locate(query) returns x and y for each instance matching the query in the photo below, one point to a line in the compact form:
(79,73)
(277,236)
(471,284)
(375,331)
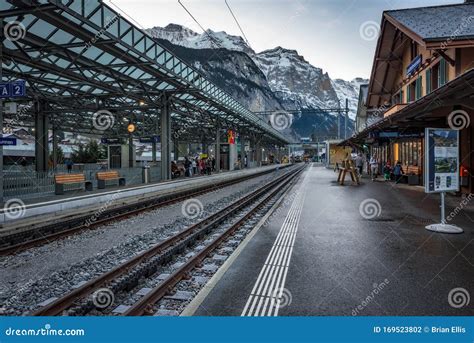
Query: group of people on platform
(194,166)
(374,163)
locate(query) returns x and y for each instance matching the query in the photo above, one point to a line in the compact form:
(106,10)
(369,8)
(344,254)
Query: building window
(418,87)
(435,77)
(409,152)
(398,98)
(414,50)
(411,91)
(428,81)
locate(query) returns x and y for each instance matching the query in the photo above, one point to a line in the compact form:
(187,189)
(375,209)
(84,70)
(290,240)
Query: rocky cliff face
(271,80)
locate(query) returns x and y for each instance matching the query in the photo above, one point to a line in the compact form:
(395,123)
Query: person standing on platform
(398,172)
(374,166)
(202,167)
(387,170)
(69,165)
(187,167)
(209,166)
(359,162)
(194,165)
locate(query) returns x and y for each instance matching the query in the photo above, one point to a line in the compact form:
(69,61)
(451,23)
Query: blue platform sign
(14,89)
(414,65)
(4,90)
(17,89)
(150,139)
(111,140)
(7,141)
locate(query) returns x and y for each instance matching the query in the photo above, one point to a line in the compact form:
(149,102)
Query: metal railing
(25,183)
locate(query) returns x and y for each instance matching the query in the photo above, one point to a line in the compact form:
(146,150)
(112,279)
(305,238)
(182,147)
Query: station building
(422,76)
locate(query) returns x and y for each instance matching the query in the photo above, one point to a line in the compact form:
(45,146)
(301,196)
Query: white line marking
(266,295)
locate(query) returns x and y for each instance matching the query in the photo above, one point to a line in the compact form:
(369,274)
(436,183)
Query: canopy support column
(242,151)
(165,138)
(218,147)
(55,148)
(41,137)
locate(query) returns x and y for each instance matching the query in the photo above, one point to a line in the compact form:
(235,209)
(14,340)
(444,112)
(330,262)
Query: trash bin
(146,174)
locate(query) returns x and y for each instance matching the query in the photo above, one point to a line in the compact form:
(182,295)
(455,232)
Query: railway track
(126,277)
(19,241)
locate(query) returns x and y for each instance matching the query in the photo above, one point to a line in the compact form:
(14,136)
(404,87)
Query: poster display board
(442,160)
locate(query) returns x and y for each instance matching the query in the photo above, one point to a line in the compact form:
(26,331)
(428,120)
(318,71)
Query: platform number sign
(4,90)
(13,89)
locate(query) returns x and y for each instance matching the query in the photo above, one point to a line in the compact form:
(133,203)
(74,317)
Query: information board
(441,160)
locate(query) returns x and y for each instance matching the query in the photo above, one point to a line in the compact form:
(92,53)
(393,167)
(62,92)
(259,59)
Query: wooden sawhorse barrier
(348,167)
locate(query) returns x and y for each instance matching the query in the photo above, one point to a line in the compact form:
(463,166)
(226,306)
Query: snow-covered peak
(349,90)
(183,36)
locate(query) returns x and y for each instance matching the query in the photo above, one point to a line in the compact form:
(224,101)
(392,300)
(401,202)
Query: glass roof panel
(42,28)
(61,37)
(71,18)
(105,59)
(5,6)
(92,53)
(97,18)
(89,6)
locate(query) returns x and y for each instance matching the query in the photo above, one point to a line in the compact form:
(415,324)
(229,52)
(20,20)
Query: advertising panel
(442,160)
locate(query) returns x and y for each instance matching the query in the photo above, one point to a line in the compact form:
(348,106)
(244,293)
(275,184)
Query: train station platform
(72,203)
(347,250)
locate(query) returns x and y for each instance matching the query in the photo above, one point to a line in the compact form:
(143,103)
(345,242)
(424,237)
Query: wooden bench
(103,177)
(69,179)
(412,174)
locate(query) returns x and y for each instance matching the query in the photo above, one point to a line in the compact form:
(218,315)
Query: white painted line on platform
(265,298)
(204,292)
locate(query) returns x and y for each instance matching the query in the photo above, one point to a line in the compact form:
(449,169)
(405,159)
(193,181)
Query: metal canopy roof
(81,56)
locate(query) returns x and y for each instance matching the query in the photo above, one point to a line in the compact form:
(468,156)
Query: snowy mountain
(267,81)
(180,35)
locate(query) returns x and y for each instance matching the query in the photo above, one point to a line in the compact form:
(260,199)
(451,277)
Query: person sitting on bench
(175,170)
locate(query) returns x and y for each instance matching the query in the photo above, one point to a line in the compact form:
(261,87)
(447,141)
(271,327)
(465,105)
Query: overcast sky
(335,35)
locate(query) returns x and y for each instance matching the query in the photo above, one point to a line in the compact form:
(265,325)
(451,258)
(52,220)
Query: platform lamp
(131,129)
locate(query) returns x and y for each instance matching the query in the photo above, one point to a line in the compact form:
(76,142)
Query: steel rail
(59,305)
(145,304)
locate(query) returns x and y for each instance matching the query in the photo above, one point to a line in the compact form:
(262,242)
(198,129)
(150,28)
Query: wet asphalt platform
(349,250)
